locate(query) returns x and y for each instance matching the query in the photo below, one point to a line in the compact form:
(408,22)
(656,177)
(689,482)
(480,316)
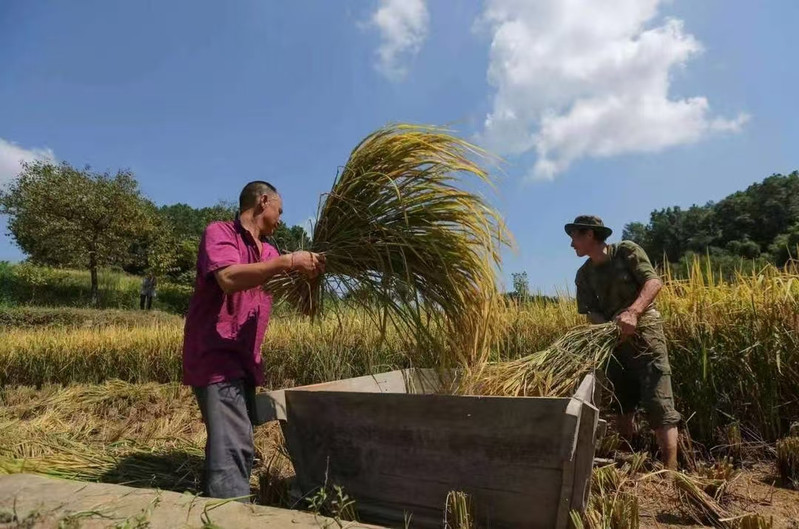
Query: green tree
(153,248)
(184,225)
(187,225)
(741,231)
(290,239)
(62,216)
(638,233)
(521,286)
(786,246)
(189,222)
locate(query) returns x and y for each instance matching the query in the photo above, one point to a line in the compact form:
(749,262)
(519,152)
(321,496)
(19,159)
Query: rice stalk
(697,503)
(731,441)
(606,479)
(722,469)
(751,521)
(137,466)
(617,511)
(397,230)
(458,513)
(609,507)
(637,462)
(788,460)
(552,372)
(608,445)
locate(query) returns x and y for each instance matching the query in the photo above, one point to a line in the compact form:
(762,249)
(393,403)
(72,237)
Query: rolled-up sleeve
(638,262)
(218,248)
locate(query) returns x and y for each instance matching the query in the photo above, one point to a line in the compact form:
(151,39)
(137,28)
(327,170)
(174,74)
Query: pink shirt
(223,332)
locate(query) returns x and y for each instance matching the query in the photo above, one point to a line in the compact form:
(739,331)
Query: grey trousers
(227,409)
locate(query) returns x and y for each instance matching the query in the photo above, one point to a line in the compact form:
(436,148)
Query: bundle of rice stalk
(398,231)
(788,460)
(698,504)
(617,510)
(605,480)
(553,372)
(731,441)
(716,477)
(751,521)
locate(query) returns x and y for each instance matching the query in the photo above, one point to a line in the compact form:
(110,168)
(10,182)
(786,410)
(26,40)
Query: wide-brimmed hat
(588,222)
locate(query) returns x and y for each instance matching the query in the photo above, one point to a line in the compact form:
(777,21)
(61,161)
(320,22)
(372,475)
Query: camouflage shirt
(612,286)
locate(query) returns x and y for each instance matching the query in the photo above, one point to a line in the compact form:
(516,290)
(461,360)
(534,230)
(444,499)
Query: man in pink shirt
(225,326)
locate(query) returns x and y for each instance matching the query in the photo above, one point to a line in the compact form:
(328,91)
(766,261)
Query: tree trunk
(95,299)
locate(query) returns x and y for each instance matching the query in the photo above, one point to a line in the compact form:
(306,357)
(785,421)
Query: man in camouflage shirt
(618,283)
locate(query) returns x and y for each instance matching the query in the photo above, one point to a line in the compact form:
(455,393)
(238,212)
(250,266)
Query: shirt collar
(246,235)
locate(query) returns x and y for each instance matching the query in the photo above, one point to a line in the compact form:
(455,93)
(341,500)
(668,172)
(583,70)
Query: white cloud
(403,26)
(584,78)
(12,156)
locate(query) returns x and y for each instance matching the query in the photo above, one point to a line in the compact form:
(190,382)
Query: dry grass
(137,434)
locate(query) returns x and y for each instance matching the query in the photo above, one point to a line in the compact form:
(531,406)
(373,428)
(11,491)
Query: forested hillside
(747,228)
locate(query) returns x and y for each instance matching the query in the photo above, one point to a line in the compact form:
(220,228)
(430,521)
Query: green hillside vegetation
(744,231)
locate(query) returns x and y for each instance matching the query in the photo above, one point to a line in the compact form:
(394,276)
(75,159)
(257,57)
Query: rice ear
(398,225)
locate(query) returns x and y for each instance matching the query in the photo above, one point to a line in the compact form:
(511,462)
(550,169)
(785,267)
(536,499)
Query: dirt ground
(753,490)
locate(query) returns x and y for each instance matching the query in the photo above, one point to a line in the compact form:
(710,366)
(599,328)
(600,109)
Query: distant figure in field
(618,283)
(225,326)
(147,291)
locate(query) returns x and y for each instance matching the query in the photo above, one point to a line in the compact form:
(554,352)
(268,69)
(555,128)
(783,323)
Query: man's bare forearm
(647,295)
(238,277)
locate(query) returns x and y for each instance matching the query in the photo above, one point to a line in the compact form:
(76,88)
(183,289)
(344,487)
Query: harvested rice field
(151,435)
(95,396)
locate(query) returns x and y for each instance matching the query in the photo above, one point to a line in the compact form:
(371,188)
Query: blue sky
(613,108)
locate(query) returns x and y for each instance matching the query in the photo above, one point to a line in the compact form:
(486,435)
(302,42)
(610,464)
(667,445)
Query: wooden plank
(427,381)
(492,508)
(271,406)
(584,456)
(390,382)
(586,392)
(586,442)
(569,441)
(408,450)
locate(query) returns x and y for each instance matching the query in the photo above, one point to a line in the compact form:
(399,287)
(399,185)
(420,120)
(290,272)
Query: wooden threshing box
(398,445)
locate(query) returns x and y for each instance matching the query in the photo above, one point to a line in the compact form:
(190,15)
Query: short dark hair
(599,235)
(252,191)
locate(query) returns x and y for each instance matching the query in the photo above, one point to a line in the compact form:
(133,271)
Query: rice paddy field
(95,395)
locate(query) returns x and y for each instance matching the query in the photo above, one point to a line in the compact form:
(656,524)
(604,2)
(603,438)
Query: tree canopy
(759,224)
(62,216)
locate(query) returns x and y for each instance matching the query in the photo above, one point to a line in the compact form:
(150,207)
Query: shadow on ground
(176,471)
(671,518)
